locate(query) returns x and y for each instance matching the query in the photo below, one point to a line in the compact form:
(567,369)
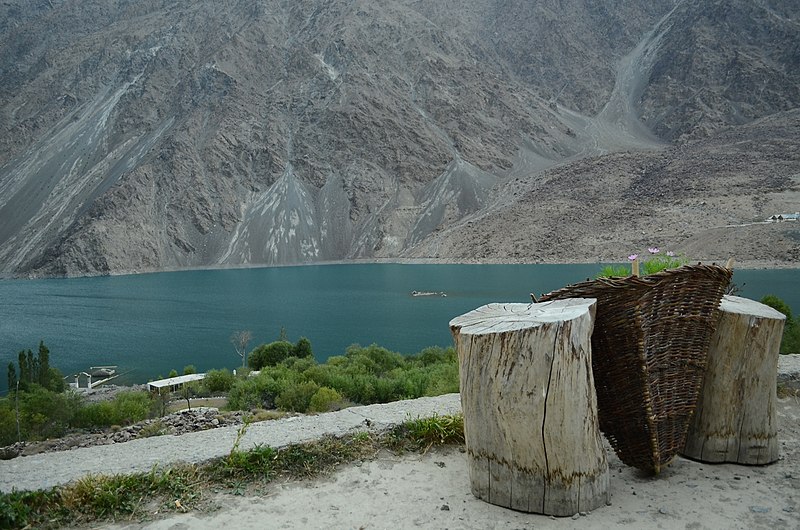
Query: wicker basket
(649,350)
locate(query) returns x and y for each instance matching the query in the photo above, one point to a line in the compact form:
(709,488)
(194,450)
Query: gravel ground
(51,469)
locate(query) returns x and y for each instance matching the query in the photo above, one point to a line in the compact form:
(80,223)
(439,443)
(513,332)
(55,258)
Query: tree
(44,365)
(12,376)
(189,369)
(24,370)
(270,354)
(240,340)
(303,348)
(188,391)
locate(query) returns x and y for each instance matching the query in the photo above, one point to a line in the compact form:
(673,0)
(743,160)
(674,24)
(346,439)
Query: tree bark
(530,410)
(735,416)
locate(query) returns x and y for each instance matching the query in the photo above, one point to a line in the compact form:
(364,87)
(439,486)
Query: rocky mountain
(154,134)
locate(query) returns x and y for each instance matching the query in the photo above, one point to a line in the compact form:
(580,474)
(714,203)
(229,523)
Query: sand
(432,491)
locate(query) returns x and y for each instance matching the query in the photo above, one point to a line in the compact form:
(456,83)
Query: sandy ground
(433,491)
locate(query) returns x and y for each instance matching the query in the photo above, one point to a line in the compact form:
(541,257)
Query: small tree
(270,354)
(189,369)
(303,348)
(44,365)
(188,391)
(12,376)
(240,340)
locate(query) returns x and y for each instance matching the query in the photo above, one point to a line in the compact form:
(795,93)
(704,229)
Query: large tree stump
(530,410)
(735,416)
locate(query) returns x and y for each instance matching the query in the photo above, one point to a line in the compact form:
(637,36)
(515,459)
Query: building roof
(172,381)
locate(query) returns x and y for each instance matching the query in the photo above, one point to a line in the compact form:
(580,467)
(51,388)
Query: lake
(151,323)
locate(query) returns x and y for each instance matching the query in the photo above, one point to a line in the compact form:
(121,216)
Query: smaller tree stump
(735,416)
(530,410)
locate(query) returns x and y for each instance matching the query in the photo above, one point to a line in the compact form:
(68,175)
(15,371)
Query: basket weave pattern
(649,349)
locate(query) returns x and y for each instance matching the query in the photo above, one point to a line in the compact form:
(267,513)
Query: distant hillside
(138,136)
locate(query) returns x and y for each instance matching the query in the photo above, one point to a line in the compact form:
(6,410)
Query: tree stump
(735,416)
(530,410)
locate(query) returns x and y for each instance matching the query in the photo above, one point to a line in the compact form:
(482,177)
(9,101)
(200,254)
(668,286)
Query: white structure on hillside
(174,383)
(777,218)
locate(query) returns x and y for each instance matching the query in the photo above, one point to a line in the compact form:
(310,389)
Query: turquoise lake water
(151,323)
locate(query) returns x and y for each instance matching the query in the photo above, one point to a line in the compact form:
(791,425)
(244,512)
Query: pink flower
(633,257)
(653,250)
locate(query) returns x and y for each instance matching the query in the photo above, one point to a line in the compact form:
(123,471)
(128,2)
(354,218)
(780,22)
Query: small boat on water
(103,371)
(428,293)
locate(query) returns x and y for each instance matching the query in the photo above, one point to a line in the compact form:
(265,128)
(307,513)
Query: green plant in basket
(653,262)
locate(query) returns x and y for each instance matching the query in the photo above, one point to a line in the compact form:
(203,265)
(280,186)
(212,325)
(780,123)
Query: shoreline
(742,265)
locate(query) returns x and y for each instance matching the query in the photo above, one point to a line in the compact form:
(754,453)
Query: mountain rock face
(156,134)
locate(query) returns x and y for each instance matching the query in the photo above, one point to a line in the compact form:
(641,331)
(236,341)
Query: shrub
(131,407)
(189,369)
(434,355)
(303,348)
(779,305)
(45,414)
(297,398)
(8,423)
(363,375)
(299,365)
(255,392)
(219,380)
(126,408)
(269,354)
(172,373)
(790,342)
(443,379)
(374,359)
(324,400)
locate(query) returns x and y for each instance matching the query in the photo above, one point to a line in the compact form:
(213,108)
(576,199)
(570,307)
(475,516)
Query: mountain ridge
(151,135)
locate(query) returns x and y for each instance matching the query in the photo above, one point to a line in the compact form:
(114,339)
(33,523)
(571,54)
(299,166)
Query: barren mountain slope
(724,63)
(607,207)
(155,134)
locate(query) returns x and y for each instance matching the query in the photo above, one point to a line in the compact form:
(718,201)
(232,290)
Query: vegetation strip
(181,488)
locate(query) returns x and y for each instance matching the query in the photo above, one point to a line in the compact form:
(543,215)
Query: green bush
(779,305)
(373,359)
(256,392)
(8,422)
(790,342)
(95,414)
(45,414)
(434,355)
(363,375)
(189,369)
(270,354)
(442,379)
(219,380)
(324,400)
(299,365)
(126,408)
(297,398)
(303,348)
